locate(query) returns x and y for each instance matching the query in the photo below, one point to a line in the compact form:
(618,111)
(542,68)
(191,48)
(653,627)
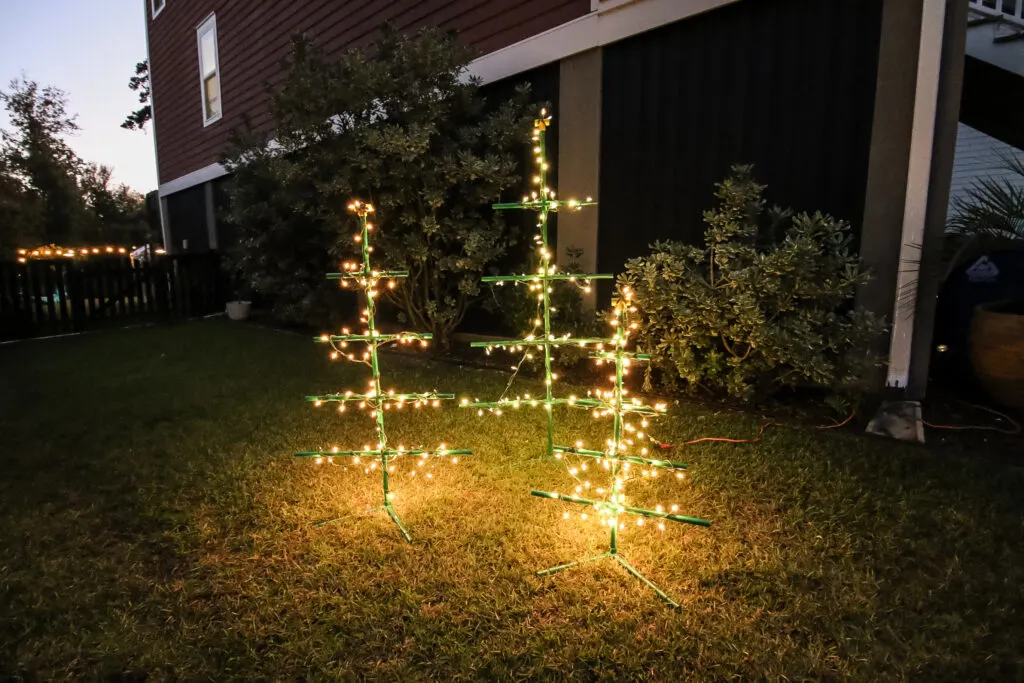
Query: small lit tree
(625,454)
(376,399)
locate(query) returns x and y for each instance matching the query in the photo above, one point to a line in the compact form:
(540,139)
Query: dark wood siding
(186,218)
(787,85)
(253,37)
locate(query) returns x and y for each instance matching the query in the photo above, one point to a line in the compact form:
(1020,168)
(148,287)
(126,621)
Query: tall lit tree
(543,201)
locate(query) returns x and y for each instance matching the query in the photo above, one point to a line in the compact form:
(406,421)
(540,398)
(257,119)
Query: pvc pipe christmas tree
(624,454)
(543,201)
(375,399)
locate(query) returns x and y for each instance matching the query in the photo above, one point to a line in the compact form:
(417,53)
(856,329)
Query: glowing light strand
(615,459)
(543,201)
(375,399)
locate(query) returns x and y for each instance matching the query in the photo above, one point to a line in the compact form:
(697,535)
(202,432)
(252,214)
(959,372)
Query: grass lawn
(154,525)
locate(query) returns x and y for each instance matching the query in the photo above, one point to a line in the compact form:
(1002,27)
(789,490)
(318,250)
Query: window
(157,6)
(209,70)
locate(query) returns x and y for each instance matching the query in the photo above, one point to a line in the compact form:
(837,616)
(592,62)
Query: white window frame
(209,24)
(157,6)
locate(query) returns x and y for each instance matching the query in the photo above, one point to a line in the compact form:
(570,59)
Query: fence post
(77,297)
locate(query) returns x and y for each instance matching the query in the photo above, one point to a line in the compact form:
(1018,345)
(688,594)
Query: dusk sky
(88,49)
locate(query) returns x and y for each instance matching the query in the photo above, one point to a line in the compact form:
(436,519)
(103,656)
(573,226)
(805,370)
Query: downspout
(929,61)
(152,124)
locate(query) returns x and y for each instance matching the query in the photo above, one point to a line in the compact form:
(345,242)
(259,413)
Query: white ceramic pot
(239,310)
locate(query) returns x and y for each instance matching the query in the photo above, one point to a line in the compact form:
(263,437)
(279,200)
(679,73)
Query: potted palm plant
(990,217)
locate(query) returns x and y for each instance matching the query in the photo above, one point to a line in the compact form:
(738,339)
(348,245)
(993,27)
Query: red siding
(253,36)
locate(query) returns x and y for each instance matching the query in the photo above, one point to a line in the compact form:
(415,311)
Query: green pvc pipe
(654,514)
(570,565)
(390,452)
(388,398)
(635,459)
(380,274)
(552,204)
(323,339)
(571,341)
(650,584)
(547,278)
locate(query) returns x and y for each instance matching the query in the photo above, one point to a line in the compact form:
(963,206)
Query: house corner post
(943,150)
(211,215)
(889,161)
(579,152)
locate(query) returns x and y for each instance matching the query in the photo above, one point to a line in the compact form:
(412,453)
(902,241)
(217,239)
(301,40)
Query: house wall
(786,85)
(186,211)
(978,156)
(254,36)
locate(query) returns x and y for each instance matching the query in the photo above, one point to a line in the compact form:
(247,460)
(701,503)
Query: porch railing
(1011,10)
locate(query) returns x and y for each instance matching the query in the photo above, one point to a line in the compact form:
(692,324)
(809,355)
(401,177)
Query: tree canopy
(398,124)
(47,193)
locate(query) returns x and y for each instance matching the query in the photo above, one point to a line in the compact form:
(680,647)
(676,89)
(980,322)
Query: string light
(376,399)
(52,251)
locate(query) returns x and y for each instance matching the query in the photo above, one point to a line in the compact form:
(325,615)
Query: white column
(918,179)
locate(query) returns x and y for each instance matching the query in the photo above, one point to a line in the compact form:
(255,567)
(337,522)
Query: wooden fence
(40,298)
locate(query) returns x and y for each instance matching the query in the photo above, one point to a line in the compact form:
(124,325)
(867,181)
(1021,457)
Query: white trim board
(609,23)
(922,140)
(202,175)
(152,129)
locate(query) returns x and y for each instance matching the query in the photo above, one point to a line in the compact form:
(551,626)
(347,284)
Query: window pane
(211,89)
(206,45)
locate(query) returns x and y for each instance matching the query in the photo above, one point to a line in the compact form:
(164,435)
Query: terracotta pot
(997,351)
(239,310)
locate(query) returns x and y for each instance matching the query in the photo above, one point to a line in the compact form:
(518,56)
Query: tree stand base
(626,565)
(386,507)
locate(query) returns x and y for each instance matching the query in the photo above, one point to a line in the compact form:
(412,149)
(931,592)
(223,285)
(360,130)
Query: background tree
(20,213)
(139,83)
(116,213)
(400,124)
(37,156)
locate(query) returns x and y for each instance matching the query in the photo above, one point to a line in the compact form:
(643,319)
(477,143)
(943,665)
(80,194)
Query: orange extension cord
(1002,430)
(1013,431)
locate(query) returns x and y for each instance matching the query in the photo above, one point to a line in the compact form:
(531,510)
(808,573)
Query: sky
(88,49)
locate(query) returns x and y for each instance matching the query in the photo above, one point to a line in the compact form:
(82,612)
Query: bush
(764,303)
(398,125)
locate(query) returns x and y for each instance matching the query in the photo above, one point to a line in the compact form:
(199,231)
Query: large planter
(997,351)
(239,310)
